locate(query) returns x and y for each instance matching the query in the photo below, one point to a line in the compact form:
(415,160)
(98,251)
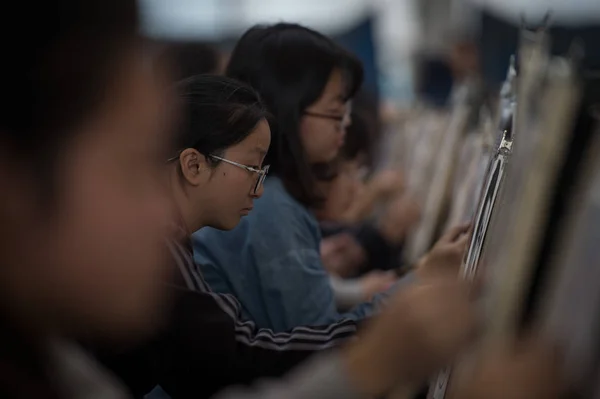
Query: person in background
(349,203)
(360,256)
(271,261)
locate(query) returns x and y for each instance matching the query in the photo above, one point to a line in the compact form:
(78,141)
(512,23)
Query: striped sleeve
(246,332)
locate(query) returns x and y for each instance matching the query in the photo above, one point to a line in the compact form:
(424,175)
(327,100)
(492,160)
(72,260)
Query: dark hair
(218,112)
(290,65)
(189,59)
(54,76)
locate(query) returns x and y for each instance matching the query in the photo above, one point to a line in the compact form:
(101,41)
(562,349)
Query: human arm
(423,328)
(352,292)
(295,288)
(202,349)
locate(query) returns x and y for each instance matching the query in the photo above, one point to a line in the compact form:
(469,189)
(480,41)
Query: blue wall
(361,41)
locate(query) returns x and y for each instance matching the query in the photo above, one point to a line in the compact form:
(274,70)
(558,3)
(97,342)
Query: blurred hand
(342,255)
(445,258)
(421,330)
(387,183)
(377,282)
(529,370)
(400,217)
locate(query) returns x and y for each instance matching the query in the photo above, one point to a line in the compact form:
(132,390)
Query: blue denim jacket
(271,263)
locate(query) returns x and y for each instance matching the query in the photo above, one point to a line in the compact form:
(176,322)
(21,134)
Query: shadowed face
(95,263)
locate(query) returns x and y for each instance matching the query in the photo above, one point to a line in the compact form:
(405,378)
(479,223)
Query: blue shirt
(272,264)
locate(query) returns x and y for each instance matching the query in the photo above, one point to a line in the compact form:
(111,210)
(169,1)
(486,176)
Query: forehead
(257,142)
(334,91)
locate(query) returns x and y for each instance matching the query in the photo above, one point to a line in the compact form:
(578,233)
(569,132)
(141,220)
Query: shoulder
(277,221)
(278,206)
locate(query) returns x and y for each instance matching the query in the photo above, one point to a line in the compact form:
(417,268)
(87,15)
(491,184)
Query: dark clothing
(22,371)
(205,346)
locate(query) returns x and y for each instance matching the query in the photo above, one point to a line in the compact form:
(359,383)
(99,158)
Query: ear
(193,166)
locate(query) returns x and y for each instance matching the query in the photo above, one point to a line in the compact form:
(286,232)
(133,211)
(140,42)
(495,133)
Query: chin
(227,225)
(332,155)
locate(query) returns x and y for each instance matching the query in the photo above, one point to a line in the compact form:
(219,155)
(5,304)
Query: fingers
(376,282)
(459,243)
(336,244)
(454,233)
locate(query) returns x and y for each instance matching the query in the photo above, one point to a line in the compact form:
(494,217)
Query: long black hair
(218,112)
(290,65)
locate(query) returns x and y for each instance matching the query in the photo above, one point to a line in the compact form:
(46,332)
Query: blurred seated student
(216,172)
(352,245)
(82,172)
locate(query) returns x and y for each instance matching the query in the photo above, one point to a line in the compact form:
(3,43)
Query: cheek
(321,144)
(230,194)
(112,252)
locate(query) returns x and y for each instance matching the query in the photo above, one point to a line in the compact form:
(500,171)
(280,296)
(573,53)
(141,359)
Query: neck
(188,209)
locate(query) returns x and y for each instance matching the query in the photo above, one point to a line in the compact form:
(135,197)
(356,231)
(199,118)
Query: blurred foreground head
(187,59)
(83,210)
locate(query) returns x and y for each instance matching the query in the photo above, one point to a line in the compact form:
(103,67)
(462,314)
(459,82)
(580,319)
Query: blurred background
(433,72)
(399,41)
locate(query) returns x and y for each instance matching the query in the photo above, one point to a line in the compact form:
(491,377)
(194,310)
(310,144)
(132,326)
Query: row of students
(223,130)
(271,261)
(93,183)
